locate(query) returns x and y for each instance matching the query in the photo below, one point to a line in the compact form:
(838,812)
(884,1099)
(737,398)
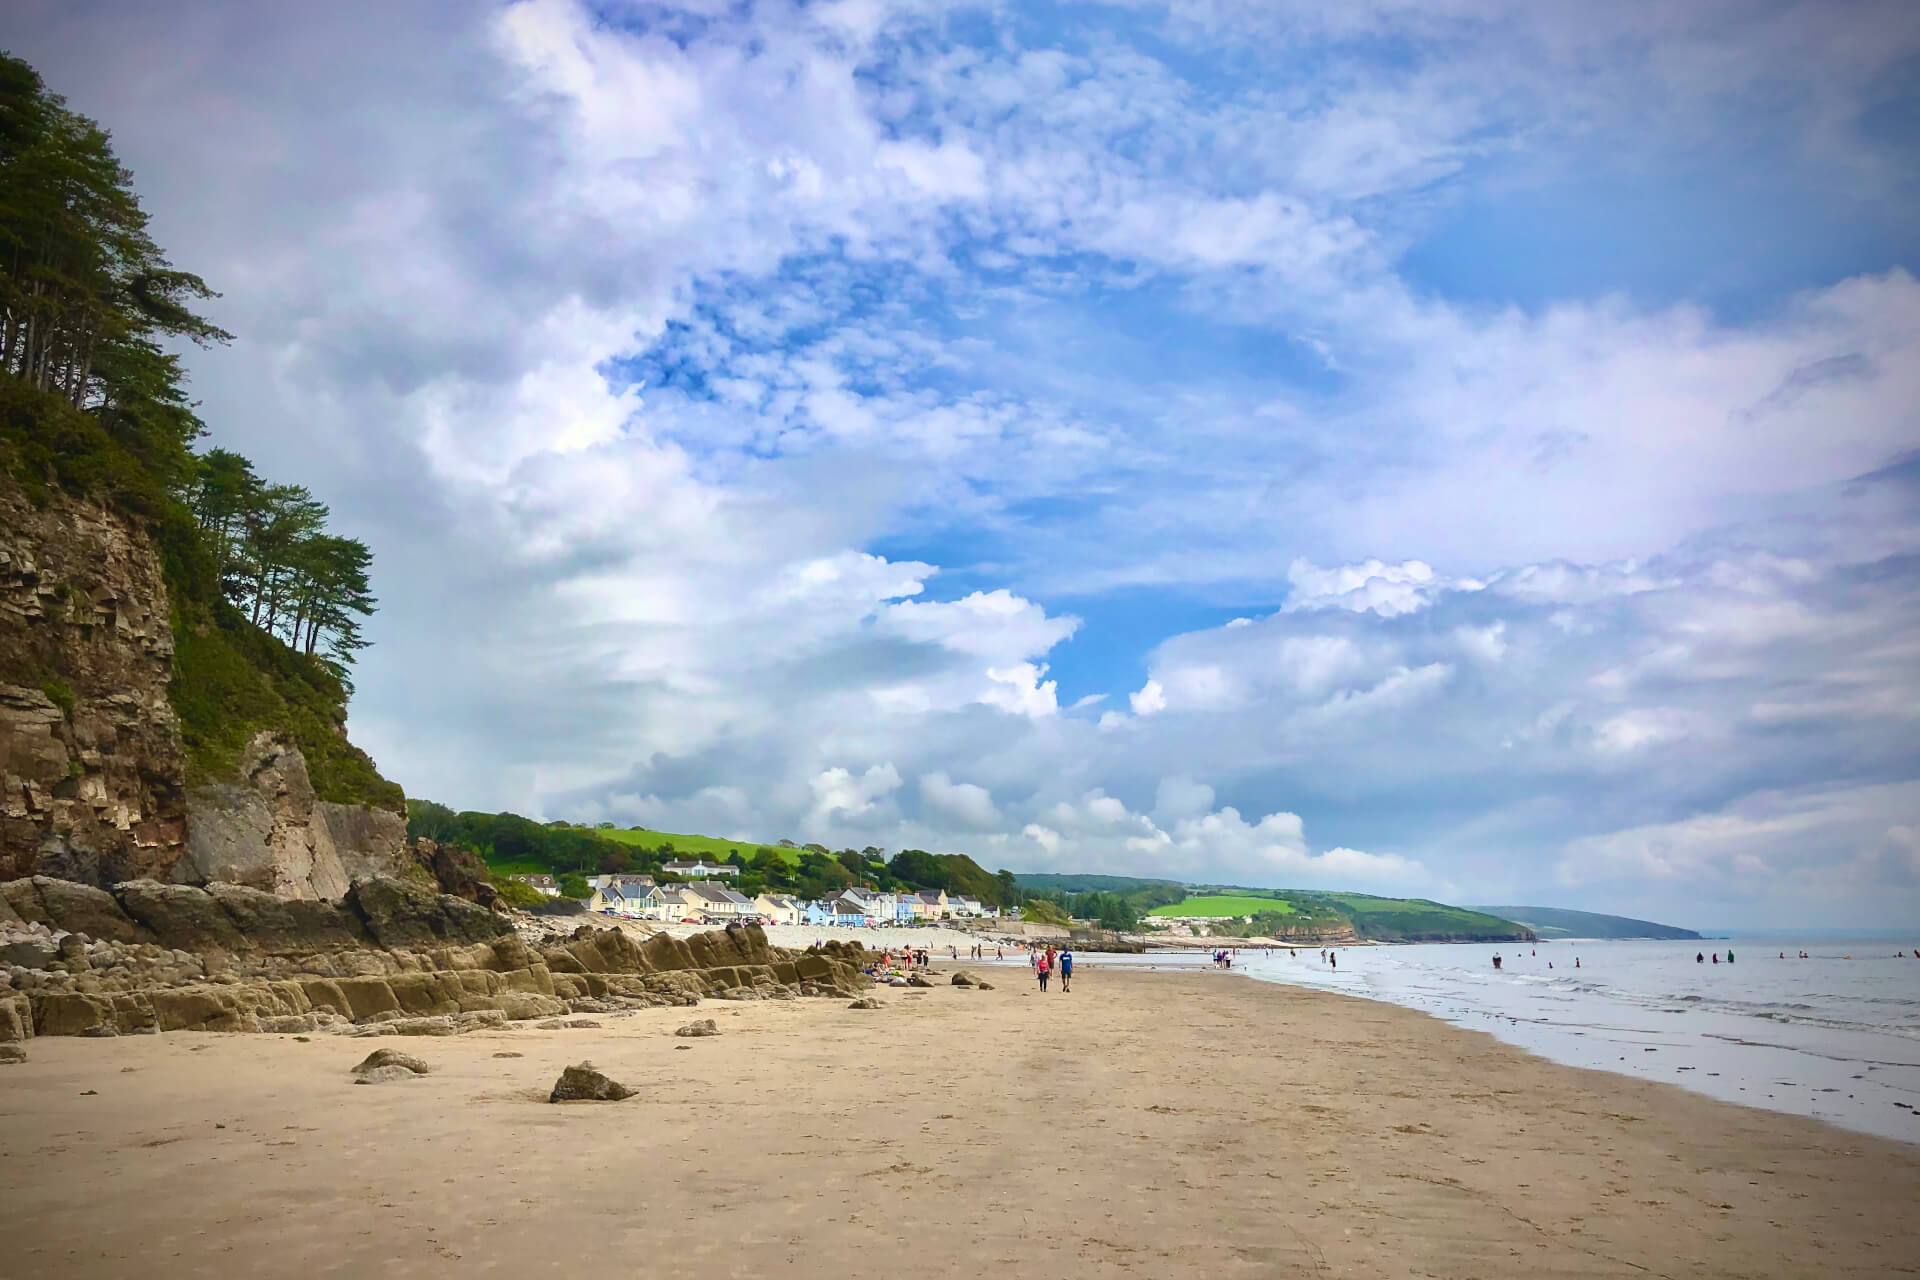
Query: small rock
(865,1002)
(582,1083)
(701,1027)
(13,1053)
(917,981)
(964,978)
(564,1024)
(508,1053)
(380,1062)
(383,1075)
(101,1030)
(983,986)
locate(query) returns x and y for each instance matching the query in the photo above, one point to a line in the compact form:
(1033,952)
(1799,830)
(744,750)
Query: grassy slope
(698,846)
(1379,919)
(1222,905)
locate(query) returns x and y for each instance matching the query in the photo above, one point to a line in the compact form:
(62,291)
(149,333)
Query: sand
(1150,1124)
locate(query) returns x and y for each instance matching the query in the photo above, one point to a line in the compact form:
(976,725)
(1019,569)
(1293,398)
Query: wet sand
(1153,1124)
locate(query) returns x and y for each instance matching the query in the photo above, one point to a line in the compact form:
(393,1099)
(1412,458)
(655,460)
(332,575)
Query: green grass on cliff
(230,679)
(1224,905)
(693,846)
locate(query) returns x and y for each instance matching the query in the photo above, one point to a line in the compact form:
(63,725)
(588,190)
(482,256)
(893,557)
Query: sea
(1835,1035)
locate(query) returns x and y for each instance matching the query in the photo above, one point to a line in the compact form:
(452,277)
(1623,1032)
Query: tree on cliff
(86,295)
(86,299)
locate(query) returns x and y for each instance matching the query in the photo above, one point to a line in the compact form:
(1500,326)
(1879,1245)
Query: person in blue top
(1066,971)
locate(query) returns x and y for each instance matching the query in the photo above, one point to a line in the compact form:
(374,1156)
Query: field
(698,846)
(1219,905)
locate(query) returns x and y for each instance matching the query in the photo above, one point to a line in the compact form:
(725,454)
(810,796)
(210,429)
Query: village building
(717,902)
(542,883)
(698,868)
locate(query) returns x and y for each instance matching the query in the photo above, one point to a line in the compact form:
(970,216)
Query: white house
(699,867)
(543,883)
(962,905)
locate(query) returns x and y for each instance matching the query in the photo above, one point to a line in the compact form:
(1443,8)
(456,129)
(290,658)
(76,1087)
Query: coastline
(1271,1129)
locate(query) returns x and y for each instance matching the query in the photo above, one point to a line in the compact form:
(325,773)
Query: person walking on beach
(1333,958)
(1044,969)
(1066,971)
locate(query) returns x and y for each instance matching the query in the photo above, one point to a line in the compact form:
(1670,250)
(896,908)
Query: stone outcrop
(268,831)
(460,872)
(389,957)
(91,764)
(581,1082)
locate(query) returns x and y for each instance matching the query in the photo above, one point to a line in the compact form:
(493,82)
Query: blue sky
(1414,448)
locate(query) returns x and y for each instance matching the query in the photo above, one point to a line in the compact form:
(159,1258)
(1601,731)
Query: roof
(931,895)
(711,891)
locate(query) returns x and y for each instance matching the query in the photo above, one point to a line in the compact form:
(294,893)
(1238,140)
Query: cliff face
(92,763)
(268,831)
(89,746)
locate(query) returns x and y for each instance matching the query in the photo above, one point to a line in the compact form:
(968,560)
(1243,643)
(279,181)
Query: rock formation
(270,832)
(389,957)
(90,756)
(93,772)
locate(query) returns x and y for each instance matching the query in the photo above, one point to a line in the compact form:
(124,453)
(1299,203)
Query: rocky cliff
(92,763)
(90,754)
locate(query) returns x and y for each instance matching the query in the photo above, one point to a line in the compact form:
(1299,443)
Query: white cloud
(963,803)
(1598,566)
(842,796)
(1148,699)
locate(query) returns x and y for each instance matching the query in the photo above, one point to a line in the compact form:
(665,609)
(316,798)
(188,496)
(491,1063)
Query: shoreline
(1272,1129)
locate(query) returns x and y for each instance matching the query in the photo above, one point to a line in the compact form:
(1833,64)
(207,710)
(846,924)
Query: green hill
(1556,922)
(1294,911)
(1069,883)
(698,846)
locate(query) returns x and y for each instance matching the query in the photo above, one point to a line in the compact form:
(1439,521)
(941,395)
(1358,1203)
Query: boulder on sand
(383,1065)
(13,1053)
(965,978)
(581,1082)
(702,1027)
(865,1002)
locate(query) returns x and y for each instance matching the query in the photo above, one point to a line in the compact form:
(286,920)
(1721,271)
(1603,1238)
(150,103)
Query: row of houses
(638,897)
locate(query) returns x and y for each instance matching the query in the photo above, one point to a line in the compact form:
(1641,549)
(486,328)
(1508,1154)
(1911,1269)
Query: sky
(1466,449)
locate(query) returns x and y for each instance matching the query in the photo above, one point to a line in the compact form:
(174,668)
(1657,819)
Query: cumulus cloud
(962,803)
(746,407)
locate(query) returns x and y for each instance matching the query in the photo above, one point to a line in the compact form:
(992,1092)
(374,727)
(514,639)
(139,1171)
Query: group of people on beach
(1046,962)
(1700,957)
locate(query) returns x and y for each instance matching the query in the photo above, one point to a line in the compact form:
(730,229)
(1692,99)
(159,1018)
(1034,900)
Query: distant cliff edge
(1555,922)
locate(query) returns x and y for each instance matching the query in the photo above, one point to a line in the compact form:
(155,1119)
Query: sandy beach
(1153,1124)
